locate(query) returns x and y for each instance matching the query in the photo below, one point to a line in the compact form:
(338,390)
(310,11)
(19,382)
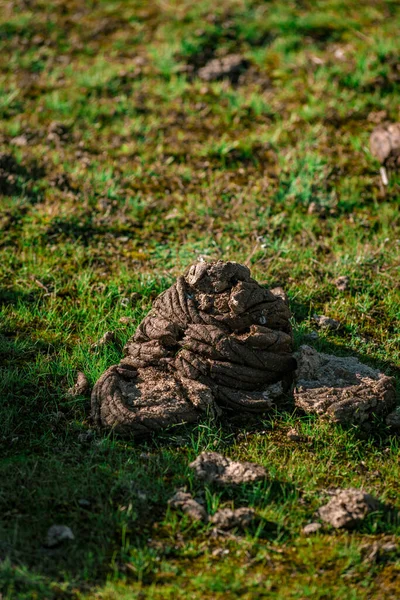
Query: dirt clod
(216,338)
(212,467)
(293,435)
(326,322)
(189,506)
(240,518)
(126,320)
(107,338)
(227,67)
(342,283)
(348,507)
(81,386)
(341,389)
(311,528)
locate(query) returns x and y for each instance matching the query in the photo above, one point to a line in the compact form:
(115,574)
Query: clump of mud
(215,339)
(341,389)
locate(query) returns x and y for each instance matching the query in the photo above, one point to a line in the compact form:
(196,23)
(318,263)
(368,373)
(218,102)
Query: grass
(121,168)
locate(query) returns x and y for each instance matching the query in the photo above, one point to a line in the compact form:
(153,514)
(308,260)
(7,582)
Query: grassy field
(119,166)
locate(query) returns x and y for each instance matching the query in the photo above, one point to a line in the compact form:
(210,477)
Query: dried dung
(81,386)
(188,505)
(348,507)
(227,67)
(212,467)
(341,389)
(215,338)
(240,518)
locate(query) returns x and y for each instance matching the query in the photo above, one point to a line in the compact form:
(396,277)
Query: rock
(342,283)
(227,67)
(212,467)
(311,528)
(326,322)
(393,419)
(240,518)
(57,535)
(108,338)
(347,508)
(81,387)
(341,389)
(189,506)
(215,339)
(83,503)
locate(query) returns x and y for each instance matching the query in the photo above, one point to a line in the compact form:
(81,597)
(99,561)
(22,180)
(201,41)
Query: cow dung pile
(217,340)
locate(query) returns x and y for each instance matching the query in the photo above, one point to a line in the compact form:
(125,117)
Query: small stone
(342,283)
(188,505)
(81,387)
(215,468)
(293,435)
(226,518)
(326,322)
(57,535)
(348,507)
(311,528)
(83,503)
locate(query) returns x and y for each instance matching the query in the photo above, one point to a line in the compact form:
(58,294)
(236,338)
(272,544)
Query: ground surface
(119,168)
